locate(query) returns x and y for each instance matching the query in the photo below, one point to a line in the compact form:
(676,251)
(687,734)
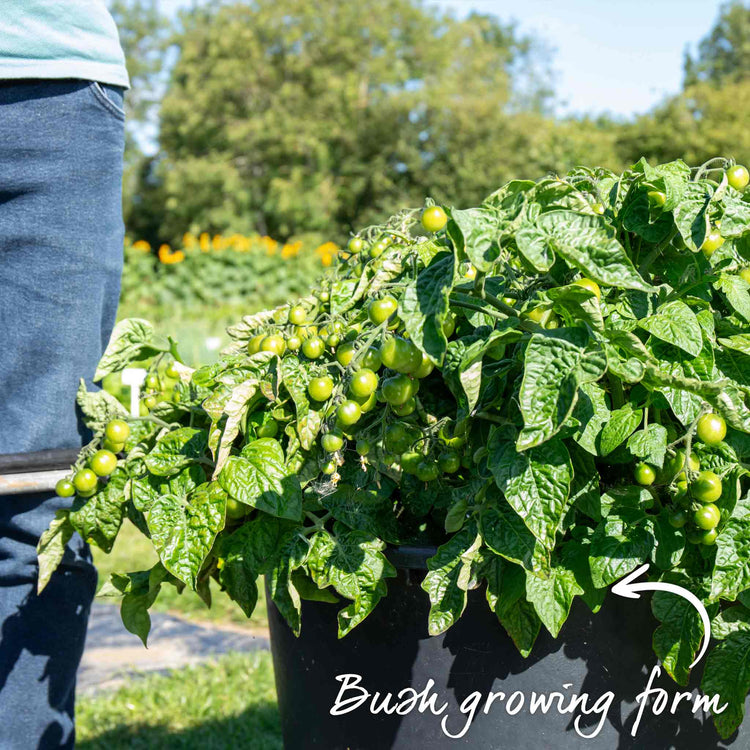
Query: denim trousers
(61,238)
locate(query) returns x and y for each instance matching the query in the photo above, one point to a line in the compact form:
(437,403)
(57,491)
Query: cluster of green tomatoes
(85,481)
(695,493)
(738,177)
(355,376)
(153,388)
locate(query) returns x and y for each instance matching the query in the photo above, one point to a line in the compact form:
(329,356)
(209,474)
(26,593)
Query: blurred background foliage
(304,122)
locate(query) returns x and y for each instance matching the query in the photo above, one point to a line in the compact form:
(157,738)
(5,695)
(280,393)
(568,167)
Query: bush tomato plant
(577,406)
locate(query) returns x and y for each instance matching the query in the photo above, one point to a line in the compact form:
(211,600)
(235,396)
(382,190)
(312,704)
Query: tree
(724,53)
(287,117)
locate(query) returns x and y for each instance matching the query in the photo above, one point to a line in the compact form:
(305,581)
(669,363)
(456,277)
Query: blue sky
(616,56)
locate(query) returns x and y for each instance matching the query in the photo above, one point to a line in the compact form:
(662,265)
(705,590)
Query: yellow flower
(168,257)
(189,240)
(142,246)
(205,242)
(290,250)
(218,242)
(270,245)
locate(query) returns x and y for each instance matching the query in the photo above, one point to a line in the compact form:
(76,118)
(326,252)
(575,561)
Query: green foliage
(575,333)
(282,117)
(724,53)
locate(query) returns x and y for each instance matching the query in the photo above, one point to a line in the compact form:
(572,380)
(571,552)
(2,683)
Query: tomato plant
(569,360)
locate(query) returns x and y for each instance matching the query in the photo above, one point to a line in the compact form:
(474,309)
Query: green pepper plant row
(552,387)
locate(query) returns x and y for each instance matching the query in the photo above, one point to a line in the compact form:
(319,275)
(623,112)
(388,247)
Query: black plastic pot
(391,650)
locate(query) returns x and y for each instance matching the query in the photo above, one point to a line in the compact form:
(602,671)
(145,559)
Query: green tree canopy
(287,117)
(724,53)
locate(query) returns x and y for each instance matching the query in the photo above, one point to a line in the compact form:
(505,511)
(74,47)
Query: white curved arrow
(629,589)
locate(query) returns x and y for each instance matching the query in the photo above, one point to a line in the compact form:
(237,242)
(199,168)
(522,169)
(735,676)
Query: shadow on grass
(257,728)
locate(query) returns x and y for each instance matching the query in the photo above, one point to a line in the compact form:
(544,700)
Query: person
(62,84)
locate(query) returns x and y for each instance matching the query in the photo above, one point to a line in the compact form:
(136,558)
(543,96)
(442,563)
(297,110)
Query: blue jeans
(61,233)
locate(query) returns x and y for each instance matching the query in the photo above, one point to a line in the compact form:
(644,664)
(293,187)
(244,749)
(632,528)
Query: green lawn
(227,704)
(132,551)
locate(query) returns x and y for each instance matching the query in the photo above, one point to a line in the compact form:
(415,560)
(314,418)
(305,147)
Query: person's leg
(61,148)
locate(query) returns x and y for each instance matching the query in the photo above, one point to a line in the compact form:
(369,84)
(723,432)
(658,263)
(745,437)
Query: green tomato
(678,518)
(268,429)
(117,431)
(591,285)
(363,384)
(329,468)
(712,429)
(108,445)
(400,355)
(171,371)
(332,441)
(712,243)
(323,296)
(708,538)
(543,316)
(707,517)
(449,326)
(377,249)
(427,471)
(253,346)
(707,487)
(694,536)
(738,177)
(369,403)
(644,474)
(449,462)
(434,219)
(409,461)
(345,353)
(320,388)
(293,343)
(297,315)
(273,343)
(372,359)
(425,368)
(149,402)
(397,390)
(405,409)
(152,382)
(656,198)
(348,413)
(103,463)
(381,309)
(333,340)
(355,245)
(85,480)
(398,437)
(313,347)
(65,488)
(673,467)
(363,447)
(236,510)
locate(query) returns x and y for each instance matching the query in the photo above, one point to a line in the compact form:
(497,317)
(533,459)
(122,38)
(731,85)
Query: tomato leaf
(259,478)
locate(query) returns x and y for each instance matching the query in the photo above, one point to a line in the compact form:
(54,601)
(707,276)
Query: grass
(228,704)
(132,551)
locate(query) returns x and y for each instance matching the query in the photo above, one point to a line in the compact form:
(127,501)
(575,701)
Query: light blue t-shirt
(60,39)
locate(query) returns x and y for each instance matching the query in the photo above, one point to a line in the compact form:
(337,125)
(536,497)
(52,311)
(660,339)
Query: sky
(615,56)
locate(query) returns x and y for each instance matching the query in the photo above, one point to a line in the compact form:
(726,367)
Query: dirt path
(113,655)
